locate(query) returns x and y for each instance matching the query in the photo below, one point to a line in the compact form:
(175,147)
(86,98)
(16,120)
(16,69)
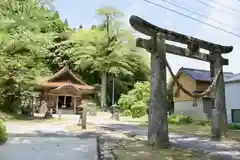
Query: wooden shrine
(64,91)
(157,46)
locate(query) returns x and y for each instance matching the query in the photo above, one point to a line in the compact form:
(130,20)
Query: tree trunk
(104,91)
(158,124)
(113,90)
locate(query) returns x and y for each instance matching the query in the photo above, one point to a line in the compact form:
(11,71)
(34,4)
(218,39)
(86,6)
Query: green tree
(79,49)
(26,29)
(93,52)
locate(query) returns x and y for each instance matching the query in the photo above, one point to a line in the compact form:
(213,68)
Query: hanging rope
(194,95)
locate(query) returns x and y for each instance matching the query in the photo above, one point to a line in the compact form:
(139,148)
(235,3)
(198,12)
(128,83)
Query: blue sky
(83,12)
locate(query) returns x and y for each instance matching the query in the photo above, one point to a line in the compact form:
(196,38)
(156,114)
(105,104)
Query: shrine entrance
(64,91)
(158,47)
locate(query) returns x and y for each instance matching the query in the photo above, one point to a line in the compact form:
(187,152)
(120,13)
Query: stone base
(92,113)
(215,132)
(48,114)
(116,116)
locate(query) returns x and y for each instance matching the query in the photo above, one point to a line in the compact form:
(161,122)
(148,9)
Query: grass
(197,130)
(138,150)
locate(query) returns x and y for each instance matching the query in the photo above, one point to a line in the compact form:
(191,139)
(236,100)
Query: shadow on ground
(219,150)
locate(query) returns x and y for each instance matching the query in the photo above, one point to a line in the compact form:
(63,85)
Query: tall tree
(100,55)
(110,24)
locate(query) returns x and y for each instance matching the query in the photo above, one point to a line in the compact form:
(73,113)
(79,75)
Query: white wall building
(232,93)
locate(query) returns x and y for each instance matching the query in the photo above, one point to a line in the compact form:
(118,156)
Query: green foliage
(126,113)
(3,132)
(26,30)
(140,92)
(34,42)
(136,99)
(234,126)
(138,109)
(179,119)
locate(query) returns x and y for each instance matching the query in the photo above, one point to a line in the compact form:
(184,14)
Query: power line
(223,5)
(199,14)
(182,14)
(220,10)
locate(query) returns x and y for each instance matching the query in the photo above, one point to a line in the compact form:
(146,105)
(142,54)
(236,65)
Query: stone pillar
(219,117)
(84,116)
(74,105)
(56,104)
(158,123)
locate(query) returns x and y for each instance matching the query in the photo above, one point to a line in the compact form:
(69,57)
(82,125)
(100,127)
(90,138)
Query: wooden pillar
(57,104)
(219,117)
(158,123)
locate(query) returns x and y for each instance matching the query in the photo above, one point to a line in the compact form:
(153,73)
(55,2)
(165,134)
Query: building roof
(202,75)
(69,89)
(57,80)
(199,75)
(63,71)
(59,84)
(234,78)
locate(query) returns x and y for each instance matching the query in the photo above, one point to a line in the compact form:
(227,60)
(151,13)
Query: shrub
(138,109)
(126,113)
(3,132)
(140,92)
(234,126)
(179,119)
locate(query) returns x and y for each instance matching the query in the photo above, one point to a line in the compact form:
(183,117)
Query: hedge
(3,132)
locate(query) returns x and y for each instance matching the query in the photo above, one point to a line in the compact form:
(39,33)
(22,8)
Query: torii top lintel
(149,29)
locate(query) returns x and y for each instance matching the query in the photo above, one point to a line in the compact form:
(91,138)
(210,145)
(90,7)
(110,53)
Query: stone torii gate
(158,125)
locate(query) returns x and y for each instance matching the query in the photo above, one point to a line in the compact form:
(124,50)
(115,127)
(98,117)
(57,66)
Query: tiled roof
(58,84)
(202,75)
(64,70)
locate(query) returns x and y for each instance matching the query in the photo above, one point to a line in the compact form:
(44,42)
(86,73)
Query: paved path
(52,148)
(37,141)
(49,140)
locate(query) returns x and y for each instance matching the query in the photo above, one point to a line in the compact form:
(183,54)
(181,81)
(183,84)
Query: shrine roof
(65,77)
(70,76)
(59,84)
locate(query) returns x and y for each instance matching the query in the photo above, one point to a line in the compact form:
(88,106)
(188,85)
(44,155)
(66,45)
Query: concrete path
(37,141)
(52,148)
(54,141)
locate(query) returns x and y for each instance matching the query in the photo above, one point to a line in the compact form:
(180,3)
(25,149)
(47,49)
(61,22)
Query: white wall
(232,94)
(186,108)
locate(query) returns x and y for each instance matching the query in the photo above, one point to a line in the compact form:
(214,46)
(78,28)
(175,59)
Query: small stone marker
(59,114)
